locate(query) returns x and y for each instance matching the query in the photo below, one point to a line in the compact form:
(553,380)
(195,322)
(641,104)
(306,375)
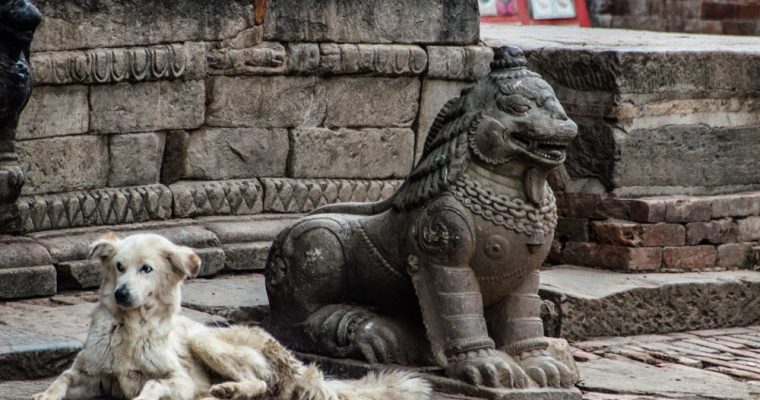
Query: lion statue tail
(392,385)
(355,208)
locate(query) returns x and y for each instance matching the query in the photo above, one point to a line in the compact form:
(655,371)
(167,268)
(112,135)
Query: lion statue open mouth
(446,270)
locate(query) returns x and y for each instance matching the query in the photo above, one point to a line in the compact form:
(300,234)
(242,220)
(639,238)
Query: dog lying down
(139,347)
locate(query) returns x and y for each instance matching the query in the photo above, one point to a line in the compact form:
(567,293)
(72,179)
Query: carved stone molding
(233,197)
(109,206)
(111,65)
(460,63)
(304,195)
(264,59)
(388,60)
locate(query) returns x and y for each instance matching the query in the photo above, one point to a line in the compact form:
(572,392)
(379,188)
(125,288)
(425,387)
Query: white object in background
(488,8)
(552,9)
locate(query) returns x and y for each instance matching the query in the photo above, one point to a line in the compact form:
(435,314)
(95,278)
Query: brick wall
(730,17)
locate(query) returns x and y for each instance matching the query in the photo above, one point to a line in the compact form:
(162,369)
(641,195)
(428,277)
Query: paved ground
(704,364)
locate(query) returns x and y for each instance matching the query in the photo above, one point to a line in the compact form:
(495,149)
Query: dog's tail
(394,385)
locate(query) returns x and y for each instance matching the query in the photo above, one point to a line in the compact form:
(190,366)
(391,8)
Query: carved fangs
(534,181)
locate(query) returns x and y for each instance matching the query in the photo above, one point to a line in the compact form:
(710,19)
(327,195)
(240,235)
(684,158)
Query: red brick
(627,233)
(748,229)
(641,210)
(259,11)
(739,28)
(733,255)
(719,11)
(572,229)
(736,205)
(612,257)
(689,257)
(713,232)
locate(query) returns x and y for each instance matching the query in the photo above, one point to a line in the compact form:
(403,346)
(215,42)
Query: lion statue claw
(445,271)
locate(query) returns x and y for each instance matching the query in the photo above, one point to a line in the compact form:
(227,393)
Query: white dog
(140,347)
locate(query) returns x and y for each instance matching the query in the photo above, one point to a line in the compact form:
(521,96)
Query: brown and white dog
(139,347)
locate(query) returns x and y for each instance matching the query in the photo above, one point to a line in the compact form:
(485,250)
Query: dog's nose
(121,294)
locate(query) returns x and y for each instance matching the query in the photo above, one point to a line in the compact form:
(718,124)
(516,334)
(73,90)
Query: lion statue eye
(513,107)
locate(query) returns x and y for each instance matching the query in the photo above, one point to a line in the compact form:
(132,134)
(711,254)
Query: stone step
(584,302)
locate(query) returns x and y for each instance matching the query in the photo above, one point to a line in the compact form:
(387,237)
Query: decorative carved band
(234,197)
(304,195)
(110,206)
(117,65)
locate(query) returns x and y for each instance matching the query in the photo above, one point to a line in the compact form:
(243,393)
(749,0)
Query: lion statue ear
(488,142)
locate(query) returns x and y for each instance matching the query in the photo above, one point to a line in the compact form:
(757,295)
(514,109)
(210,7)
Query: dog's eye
(146,269)
(119,267)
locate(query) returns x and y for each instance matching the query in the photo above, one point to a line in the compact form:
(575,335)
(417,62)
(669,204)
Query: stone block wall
(214,121)
(728,17)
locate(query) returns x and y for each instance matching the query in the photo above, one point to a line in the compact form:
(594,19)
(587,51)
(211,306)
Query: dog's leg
(72,384)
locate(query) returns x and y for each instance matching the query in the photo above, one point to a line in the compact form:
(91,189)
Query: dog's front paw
(44,396)
(239,390)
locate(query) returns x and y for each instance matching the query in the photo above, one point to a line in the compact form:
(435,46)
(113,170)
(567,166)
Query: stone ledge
(602,303)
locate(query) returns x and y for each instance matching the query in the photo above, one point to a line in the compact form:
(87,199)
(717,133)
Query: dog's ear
(184,260)
(104,248)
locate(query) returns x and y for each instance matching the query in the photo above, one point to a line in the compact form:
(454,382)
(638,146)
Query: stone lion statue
(444,271)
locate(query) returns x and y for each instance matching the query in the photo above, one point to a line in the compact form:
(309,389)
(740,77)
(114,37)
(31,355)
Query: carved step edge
(663,233)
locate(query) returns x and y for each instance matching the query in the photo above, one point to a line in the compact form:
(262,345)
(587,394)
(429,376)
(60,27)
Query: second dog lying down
(140,347)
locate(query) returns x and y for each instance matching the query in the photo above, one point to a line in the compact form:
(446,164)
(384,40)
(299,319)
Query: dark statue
(18,21)
(456,249)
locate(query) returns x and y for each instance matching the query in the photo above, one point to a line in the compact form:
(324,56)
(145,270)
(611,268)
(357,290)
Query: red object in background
(524,16)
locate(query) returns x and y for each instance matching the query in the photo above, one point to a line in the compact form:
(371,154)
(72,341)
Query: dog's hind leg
(245,367)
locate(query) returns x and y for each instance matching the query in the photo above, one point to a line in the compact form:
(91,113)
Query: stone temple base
(445,388)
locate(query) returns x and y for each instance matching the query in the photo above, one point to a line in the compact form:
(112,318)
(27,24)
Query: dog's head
(143,269)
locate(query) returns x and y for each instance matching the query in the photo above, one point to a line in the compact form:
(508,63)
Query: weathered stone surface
(18,283)
(304,195)
(19,252)
(263,59)
(23,390)
(372,102)
(396,21)
(388,60)
(748,229)
(309,101)
(626,233)
(612,256)
(237,298)
(303,58)
(96,207)
(459,63)
(736,205)
(212,260)
(55,111)
(368,153)
(222,153)
(713,232)
(72,244)
(435,93)
(689,257)
(625,304)
(120,64)
(64,163)
(265,101)
(733,255)
(246,240)
(135,159)
(236,197)
(82,26)
(77,275)
(671,381)
(147,106)
(572,229)
(26,354)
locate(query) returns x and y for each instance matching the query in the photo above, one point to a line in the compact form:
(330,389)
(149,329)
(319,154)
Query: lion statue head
(508,121)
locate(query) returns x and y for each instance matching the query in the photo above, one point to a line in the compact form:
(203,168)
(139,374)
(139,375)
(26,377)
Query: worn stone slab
(733,255)
(395,21)
(736,205)
(713,232)
(435,93)
(26,354)
(107,206)
(113,65)
(77,275)
(147,106)
(20,252)
(23,390)
(27,282)
(72,244)
(224,153)
(64,163)
(55,111)
(689,257)
(130,167)
(468,63)
(669,380)
(305,101)
(229,197)
(83,26)
(367,153)
(748,229)
(238,298)
(305,195)
(624,304)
